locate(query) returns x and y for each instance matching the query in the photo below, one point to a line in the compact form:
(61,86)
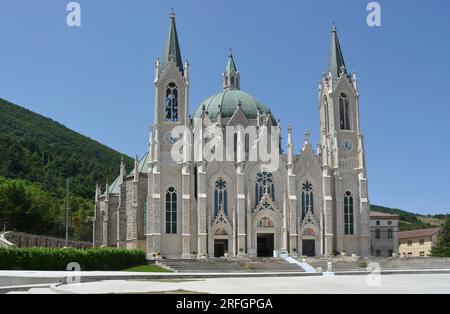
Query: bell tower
(346,204)
(171,90)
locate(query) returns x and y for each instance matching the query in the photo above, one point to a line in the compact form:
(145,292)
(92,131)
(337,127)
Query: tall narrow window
(348,214)
(145,217)
(264,185)
(327,117)
(307,198)
(171,211)
(220,197)
(172,103)
(344,110)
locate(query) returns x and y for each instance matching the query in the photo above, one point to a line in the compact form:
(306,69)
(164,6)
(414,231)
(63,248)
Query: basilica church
(314,204)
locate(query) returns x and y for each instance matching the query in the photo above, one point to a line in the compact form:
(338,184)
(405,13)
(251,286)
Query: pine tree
(442,248)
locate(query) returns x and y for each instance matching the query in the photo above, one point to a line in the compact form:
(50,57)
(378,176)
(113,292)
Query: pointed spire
(173,52)
(122,169)
(97,192)
(231,66)
(290,147)
(336,65)
(107,191)
(231,76)
(136,169)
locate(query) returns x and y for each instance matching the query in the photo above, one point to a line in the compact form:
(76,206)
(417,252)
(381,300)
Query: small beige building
(418,243)
(384,234)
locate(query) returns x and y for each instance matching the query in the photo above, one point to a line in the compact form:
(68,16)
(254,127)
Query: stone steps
(357,264)
(246,265)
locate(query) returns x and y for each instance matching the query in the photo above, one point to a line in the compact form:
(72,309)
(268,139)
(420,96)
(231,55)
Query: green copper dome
(227,103)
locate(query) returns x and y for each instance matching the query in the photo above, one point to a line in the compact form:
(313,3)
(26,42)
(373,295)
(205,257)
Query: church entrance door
(266,243)
(220,248)
(309,248)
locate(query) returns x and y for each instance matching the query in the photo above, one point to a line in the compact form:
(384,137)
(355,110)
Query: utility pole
(67,214)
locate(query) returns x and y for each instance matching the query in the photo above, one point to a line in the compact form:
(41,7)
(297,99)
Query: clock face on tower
(346,145)
(169,139)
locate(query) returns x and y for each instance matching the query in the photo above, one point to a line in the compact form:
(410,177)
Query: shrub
(58,259)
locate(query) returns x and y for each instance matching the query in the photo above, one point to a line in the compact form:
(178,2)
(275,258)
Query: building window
(307,198)
(344,109)
(378,253)
(389,223)
(220,197)
(422,254)
(391,253)
(171,211)
(232,80)
(264,185)
(410,254)
(390,234)
(348,214)
(422,242)
(377,234)
(378,222)
(172,103)
(409,243)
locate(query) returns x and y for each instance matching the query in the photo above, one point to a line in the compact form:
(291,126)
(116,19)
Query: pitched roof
(172,51)
(419,233)
(374,214)
(336,61)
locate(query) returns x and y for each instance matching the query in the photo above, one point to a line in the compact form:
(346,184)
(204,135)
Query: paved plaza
(390,284)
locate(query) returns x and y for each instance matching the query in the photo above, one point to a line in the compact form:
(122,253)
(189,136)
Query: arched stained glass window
(307,198)
(264,185)
(220,197)
(171,211)
(172,103)
(348,214)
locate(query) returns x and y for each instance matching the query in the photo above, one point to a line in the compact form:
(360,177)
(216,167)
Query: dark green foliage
(38,150)
(58,259)
(442,248)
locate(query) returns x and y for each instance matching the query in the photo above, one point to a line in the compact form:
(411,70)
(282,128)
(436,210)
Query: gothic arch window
(307,198)
(172,103)
(220,197)
(264,185)
(171,211)
(232,80)
(344,109)
(348,214)
(226,80)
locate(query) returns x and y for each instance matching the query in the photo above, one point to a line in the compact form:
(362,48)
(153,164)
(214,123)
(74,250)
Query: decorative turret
(107,191)
(231,76)
(290,147)
(136,169)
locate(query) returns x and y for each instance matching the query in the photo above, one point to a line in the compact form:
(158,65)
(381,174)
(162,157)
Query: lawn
(147,269)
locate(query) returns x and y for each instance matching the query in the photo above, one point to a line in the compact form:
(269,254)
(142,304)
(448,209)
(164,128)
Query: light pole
(4,227)
(67,214)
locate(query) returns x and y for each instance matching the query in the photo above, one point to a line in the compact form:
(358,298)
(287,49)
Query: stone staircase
(230,265)
(360,264)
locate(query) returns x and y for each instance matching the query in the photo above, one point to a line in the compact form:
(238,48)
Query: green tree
(442,248)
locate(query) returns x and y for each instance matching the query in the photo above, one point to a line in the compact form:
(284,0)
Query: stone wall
(24,240)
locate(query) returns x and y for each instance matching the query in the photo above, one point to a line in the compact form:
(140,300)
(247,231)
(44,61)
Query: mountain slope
(35,149)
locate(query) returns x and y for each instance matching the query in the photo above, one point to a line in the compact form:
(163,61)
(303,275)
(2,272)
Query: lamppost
(4,226)
(67,215)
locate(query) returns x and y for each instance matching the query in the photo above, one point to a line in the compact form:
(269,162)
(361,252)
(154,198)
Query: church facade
(315,203)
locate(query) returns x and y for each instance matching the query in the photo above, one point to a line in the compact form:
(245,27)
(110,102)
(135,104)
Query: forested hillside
(35,149)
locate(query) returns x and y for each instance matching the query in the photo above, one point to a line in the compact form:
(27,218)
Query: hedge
(57,259)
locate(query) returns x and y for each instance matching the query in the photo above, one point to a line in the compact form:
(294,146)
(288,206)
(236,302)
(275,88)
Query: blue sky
(97,79)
